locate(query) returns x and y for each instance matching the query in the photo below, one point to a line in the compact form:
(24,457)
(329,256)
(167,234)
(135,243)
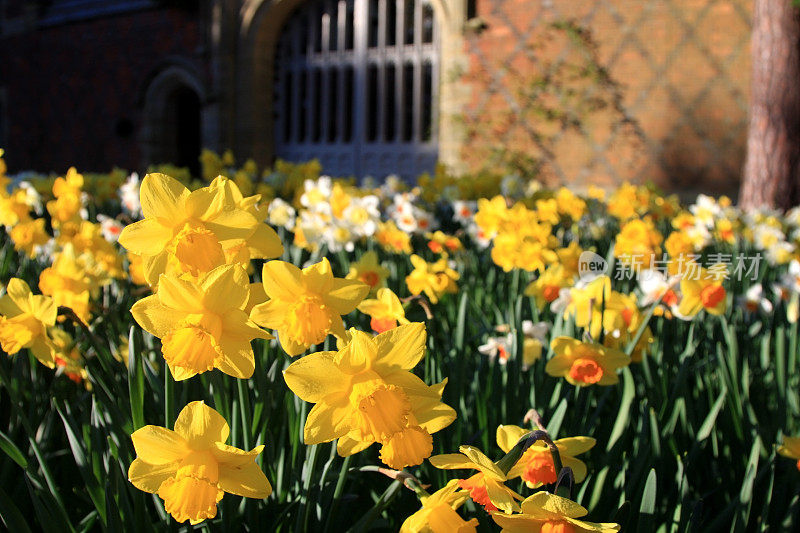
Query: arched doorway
(357,86)
(182,125)
(171,131)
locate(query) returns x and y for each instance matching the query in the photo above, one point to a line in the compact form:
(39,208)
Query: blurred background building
(382,86)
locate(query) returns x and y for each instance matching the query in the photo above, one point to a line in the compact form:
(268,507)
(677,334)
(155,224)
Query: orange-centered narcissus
(583,363)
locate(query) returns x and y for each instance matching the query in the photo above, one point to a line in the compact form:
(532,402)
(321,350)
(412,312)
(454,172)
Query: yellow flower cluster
(195,249)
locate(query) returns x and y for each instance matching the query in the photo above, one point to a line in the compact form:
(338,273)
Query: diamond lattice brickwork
(683,67)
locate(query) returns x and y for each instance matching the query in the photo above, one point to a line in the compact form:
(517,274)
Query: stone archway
(259,30)
(172,123)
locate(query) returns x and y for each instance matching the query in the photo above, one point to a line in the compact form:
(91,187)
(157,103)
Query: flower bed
(294,352)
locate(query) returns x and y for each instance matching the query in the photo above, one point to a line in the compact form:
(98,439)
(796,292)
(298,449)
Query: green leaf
(628,393)
(648,505)
(711,418)
(12,451)
(136,377)
(10,514)
(85,468)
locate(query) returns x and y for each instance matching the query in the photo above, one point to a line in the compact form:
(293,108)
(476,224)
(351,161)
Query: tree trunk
(772,168)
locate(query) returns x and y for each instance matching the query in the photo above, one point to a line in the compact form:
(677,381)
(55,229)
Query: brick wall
(70,88)
(683,68)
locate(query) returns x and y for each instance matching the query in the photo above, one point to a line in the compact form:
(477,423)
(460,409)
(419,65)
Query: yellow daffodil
(68,359)
(68,200)
(392,239)
(637,243)
(29,236)
(528,246)
(191,468)
(569,204)
(678,244)
(547,211)
(306,305)
(790,448)
(13,208)
(702,289)
(487,487)
(586,301)
(438,513)
(136,269)
(264,243)
(190,232)
(386,311)
(365,394)
(66,281)
(490,214)
(368,270)
(569,258)
(583,363)
(434,279)
(549,513)
(536,466)
(100,257)
(628,201)
(548,285)
(202,325)
(24,319)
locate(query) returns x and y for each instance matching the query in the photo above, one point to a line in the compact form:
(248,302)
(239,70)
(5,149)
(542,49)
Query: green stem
(169,398)
(244,411)
(337,492)
(305,508)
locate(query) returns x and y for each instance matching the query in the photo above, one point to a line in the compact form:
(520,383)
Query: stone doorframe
(259,28)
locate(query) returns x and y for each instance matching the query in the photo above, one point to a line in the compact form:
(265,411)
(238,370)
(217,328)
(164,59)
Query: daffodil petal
(507,436)
(346,294)
(485,464)
(177,293)
(402,346)
(578,467)
(145,237)
(315,376)
(225,287)
(45,308)
(318,278)
(548,506)
(269,314)
(154,317)
(157,445)
(265,243)
(18,291)
(44,351)
(238,359)
(453,461)
(516,523)
(201,426)
(232,225)
(347,446)
(594,526)
(281,280)
(575,445)
(239,473)
(149,478)
(161,196)
(501,496)
(327,420)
